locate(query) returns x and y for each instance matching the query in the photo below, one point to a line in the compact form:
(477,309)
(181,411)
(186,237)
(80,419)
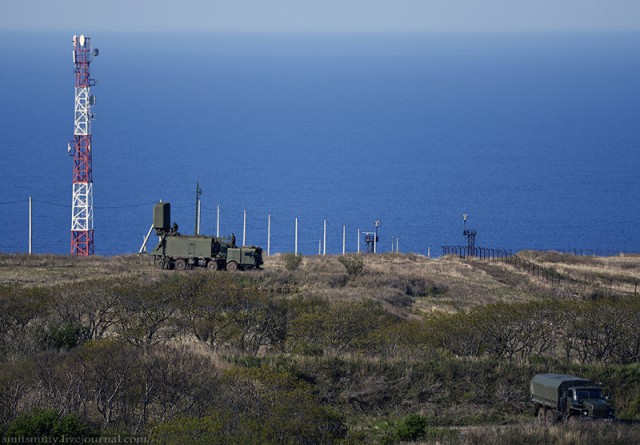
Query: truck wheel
(213,265)
(232,266)
(181,264)
(542,415)
(572,420)
(551,417)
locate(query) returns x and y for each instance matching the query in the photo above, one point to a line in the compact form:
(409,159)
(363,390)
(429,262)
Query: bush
(48,423)
(66,335)
(353,264)
(292,261)
(262,406)
(412,428)
(341,326)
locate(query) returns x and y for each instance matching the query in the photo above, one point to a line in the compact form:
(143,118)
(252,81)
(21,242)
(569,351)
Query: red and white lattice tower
(80,148)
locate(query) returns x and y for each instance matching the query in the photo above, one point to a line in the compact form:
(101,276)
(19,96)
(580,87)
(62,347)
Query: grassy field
(374,349)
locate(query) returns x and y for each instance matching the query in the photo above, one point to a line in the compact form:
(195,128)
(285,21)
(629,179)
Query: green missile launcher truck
(559,397)
(175,251)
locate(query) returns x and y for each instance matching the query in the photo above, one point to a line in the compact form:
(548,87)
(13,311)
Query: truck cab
(587,402)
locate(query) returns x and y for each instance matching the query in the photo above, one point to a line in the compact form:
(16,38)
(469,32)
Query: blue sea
(535,136)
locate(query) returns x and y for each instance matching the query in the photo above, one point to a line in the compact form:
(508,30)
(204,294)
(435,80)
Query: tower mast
(80,148)
(471,237)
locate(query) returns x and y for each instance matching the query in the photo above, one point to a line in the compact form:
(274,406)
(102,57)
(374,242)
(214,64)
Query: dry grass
(619,274)
(446,284)
(410,283)
(533,433)
(51,270)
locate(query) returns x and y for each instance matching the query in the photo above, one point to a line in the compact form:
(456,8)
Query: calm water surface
(535,136)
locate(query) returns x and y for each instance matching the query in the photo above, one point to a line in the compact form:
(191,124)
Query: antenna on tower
(371,238)
(198,193)
(471,236)
(81,150)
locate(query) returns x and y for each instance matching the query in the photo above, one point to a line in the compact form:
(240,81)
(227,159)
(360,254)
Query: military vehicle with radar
(560,397)
(176,251)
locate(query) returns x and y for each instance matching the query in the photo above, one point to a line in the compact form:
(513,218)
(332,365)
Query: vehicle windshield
(591,393)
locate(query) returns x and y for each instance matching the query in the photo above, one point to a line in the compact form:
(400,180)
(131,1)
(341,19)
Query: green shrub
(292,261)
(48,423)
(341,326)
(413,427)
(66,335)
(353,264)
(258,405)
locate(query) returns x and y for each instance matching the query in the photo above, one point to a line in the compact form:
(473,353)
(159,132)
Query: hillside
(372,349)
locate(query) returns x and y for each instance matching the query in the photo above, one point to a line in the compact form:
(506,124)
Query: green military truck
(175,251)
(560,397)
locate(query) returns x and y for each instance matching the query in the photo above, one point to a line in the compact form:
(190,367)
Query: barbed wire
(12,202)
(128,206)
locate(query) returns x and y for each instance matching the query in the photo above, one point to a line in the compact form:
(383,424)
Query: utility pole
(295,238)
(344,239)
(269,234)
(244,228)
(375,239)
(324,238)
(30,224)
(218,220)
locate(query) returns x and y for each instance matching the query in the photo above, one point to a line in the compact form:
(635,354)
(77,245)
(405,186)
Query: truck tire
(550,417)
(542,414)
(181,264)
(213,265)
(232,266)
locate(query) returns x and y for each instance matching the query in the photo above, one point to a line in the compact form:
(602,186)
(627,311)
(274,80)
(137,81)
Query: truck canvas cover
(548,386)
